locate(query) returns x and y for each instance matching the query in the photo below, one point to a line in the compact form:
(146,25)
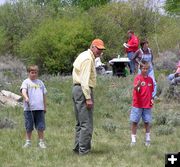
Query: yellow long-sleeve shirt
(84,72)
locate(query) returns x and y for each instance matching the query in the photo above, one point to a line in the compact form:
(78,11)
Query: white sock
(41,140)
(28,141)
(133,138)
(148,137)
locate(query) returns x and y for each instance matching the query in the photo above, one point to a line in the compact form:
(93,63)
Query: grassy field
(111,137)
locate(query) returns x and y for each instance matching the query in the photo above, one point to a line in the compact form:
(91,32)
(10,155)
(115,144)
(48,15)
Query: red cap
(98,43)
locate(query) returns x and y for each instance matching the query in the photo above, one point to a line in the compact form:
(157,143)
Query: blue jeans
(137,113)
(131,63)
(171,77)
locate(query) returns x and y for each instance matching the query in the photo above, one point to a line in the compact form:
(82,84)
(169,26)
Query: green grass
(111,137)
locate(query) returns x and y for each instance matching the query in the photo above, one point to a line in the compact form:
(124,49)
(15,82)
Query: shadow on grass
(99,152)
(101,149)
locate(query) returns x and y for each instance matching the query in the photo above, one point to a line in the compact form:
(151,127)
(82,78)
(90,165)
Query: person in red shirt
(131,47)
(142,102)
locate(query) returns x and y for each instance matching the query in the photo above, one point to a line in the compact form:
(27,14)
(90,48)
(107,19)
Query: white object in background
(98,62)
(121,59)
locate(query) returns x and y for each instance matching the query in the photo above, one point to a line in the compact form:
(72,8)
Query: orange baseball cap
(98,43)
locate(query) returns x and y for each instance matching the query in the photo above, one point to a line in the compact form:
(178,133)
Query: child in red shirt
(142,102)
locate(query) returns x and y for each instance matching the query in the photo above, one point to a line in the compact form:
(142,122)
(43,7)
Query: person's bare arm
(44,98)
(137,86)
(25,95)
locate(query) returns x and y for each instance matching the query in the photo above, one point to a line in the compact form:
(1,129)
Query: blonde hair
(32,68)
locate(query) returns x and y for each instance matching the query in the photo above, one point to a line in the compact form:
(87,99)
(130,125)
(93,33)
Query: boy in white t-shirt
(33,91)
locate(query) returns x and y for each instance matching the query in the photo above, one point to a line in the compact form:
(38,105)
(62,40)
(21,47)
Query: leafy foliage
(54,48)
(2,40)
(29,29)
(18,19)
(112,21)
(88,4)
(172,7)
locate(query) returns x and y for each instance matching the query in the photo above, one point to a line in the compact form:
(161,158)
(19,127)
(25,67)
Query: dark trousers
(84,121)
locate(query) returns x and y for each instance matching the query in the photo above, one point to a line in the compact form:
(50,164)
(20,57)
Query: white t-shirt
(98,62)
(35,90)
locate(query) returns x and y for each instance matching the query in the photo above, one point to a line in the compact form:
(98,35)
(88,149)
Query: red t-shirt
(142,98)
(133,43)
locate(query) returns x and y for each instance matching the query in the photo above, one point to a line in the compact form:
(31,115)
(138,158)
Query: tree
(55,44)
(85,4)
(172,6)
(18,18)
(2,40)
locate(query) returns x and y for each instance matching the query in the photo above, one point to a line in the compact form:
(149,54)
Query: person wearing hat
(84,80)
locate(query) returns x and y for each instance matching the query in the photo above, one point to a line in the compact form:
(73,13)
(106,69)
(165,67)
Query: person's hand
(45,111)
(89,103)
(125,45)
(152,102)
(138,83)
(176,75)
(26,99)
(137,86)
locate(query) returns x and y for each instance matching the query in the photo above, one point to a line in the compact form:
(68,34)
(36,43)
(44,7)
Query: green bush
(109,126)
(53,36)
(56,96)
(168,33)
(56,43)
(18,19)
(2,40)
(168,119)
(164,130)
(110,24)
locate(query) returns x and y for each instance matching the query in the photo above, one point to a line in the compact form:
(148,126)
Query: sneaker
(27,144)
(133,144)
(147,143)
(42,144)
(84,152)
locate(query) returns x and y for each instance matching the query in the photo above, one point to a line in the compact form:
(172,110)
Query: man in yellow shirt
(84,80)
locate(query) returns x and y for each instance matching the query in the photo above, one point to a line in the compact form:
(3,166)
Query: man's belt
(78,84)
